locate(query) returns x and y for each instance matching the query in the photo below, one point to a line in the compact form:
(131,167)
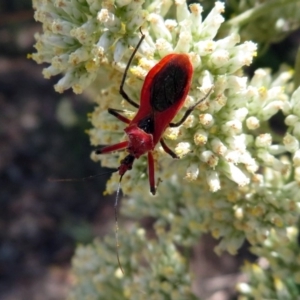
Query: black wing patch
(147,124)
(168,86)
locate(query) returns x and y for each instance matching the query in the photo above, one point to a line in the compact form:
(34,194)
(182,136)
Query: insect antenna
(116,223)
(81,179)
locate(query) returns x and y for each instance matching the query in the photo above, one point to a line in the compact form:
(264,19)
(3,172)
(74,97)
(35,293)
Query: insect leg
(111,148)
(151,173)
(167,149)
(189,110)
(116,113)
(121,91)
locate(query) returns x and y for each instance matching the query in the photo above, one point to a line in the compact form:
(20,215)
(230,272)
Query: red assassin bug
(164,91)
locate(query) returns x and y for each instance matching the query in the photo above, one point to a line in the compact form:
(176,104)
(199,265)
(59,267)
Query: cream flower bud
(206,120)
(204,48)
(172,133)
(218,58)
(196,17)
(182,149)
(189,122)
(84,81)
(261,78)
(182,11)
(50,71)
(270,109)
(119,50)
(296,158)
(276,149)
(195,59)
(200,137)
(243,56)
(213,181)
(237,142)
(295,102)
(192,172)
(184,42)
(263,140)
(218,147)
(60,61)
(296,130)
(163,47)
(291,143)
(239,114)
(244,288)
(271,161)
(217,103)
(158,27)
(85,33)
(110,20)
(237,85)
(235,174)
(232,127)
(250,164)
(79,55)
(291,120)
(64,83)
(252,123)
(62,27)
(210,158)
(105,41)
(171,24)
(212,22)
(206,83)
(228,42)
(232,156)
(136,21)
(297,174)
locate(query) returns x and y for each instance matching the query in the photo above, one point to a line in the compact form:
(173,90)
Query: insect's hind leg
(189,110)
(121,90)
(167,149)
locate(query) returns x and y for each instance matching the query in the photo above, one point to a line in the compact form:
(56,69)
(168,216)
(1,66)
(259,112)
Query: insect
(163,93)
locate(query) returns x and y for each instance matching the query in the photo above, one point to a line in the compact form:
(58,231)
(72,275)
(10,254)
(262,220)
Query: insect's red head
(139,142)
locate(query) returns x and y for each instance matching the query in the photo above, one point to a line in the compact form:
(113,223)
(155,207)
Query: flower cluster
(153,268)
(220,141)
(213,136)
(77,34)
(277,274)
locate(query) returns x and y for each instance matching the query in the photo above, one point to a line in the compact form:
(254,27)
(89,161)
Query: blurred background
(41,222)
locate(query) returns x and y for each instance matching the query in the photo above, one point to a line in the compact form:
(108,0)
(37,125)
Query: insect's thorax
(143,134)
(140,138)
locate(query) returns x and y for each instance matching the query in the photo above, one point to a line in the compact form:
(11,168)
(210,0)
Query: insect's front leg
(122,92)
(111,148)
(116,113)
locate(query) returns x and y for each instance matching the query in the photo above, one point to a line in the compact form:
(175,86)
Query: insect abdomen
(171,83)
